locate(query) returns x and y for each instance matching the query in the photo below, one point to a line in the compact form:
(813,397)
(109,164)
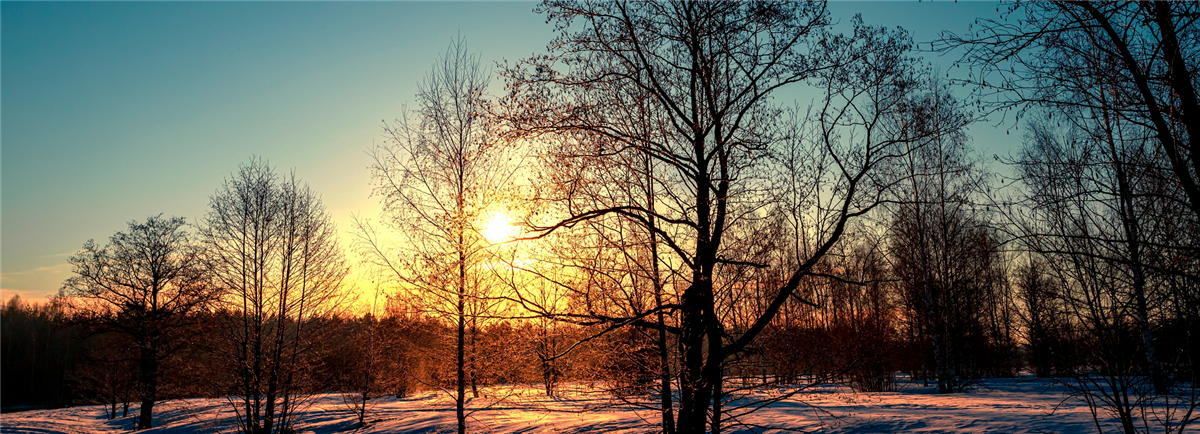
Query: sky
(112,112)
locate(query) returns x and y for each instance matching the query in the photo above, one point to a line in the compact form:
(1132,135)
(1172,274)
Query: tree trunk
(460,400)
(474,369)
(149,380)
(668,417)
(714,371)
(1133,244)
(716,399)
(694,394)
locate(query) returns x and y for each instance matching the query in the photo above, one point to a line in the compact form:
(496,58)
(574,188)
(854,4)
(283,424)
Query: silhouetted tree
(706,73)
(274,254)
(1135,59)
(364,377)
(1095,212)
(144,283)
(1111,167)
(947,259)
(439,175)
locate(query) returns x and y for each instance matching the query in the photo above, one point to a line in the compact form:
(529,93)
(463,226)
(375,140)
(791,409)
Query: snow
(1020,405)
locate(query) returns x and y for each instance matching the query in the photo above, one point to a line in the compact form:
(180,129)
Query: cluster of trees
(639,211)
(34,356)
(1104,203)
(241,290)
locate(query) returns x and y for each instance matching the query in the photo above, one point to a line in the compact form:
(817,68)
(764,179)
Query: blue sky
(111,112)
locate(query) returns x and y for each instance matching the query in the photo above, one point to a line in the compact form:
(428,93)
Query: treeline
(39,353)
(54,357)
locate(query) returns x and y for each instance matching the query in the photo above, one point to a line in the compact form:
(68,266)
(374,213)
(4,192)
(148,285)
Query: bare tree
(439,176)
(947,259)
(617,267)
(949,267)
(707,72)
(1094,211)
(108,375)
(274,253)
(144,283)
(1110,164)
(1057,55)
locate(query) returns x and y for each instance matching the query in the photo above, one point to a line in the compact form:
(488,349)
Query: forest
(685,204)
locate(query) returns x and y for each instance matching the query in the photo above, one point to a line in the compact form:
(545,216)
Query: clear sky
(111,112)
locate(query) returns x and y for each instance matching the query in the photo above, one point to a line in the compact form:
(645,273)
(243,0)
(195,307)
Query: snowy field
(1022,405)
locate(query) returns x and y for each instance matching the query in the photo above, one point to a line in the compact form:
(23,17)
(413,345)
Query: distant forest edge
(638,211)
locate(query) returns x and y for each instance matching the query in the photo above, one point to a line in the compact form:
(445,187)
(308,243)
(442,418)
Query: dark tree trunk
(694,394)
(717,381)
(1133,245)
(149,380)
(668,416)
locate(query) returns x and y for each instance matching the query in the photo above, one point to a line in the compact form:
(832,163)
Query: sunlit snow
(1020,405)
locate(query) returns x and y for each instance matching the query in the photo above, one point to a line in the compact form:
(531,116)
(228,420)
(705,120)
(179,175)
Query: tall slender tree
(947,259)
(439,177)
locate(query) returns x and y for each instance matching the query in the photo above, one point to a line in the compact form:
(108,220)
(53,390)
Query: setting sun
(498,229)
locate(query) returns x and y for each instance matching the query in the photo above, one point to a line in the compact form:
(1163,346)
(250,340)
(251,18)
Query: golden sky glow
(498,229)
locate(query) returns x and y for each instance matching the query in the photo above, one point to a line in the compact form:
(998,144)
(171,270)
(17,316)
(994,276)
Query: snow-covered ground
(1022,405)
